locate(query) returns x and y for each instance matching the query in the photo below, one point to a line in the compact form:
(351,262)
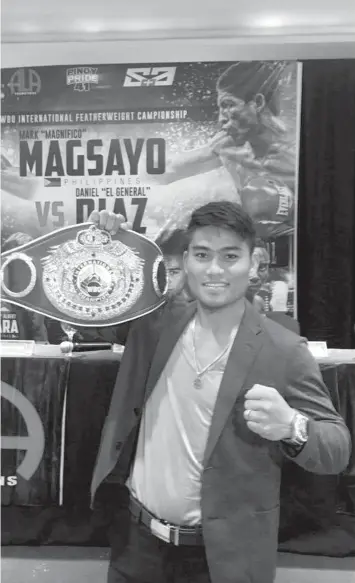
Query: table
(317,512)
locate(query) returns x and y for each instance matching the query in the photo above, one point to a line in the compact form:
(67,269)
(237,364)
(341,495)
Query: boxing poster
(153,142)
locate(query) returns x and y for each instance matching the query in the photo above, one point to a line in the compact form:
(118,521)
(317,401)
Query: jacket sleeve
(328,448)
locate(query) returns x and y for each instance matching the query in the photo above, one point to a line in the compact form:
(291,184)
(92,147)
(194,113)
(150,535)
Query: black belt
(170,533)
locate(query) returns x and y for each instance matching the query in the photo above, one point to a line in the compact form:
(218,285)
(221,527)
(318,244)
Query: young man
(259,275)
(173,245)
(209,399)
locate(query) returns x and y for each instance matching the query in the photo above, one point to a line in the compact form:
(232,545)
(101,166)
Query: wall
(115,51)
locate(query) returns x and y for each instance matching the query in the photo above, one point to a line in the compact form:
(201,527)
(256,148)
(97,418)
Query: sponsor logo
(25,82)
(149,76)
(82,78)
(33,443)
(9,329)
(285,200)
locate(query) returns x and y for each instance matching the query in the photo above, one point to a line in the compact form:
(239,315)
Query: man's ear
(259,102)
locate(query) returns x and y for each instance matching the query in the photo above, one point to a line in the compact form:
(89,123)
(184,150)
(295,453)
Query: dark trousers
(137,556)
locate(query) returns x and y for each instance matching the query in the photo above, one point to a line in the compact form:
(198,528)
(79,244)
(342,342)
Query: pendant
(197,383)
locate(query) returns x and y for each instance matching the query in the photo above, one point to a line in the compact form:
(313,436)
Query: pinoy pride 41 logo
(82,78)
(149,76)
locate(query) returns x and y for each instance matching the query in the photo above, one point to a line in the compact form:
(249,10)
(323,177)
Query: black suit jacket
(241,477)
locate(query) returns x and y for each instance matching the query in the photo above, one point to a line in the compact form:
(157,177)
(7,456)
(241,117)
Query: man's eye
(201,255)
(231,256)
(174,271)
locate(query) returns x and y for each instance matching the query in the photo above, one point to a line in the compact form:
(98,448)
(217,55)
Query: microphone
(67,346)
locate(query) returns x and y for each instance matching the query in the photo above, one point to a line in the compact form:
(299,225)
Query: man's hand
(267,413)
(225,146)
(221,141)
(109,221)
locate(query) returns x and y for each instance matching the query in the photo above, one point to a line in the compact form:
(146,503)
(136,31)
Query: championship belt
(83,276)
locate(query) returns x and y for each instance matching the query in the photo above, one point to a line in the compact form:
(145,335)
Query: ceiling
(83,20)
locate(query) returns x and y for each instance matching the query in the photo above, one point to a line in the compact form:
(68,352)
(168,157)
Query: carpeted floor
(89,565)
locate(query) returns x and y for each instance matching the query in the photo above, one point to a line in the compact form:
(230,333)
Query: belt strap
(170,533)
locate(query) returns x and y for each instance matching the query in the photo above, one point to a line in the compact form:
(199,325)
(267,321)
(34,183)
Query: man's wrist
(289,425)
(298,430)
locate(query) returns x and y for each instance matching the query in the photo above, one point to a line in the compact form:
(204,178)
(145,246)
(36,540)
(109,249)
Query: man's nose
(254,278)
(214,267)
(222,116)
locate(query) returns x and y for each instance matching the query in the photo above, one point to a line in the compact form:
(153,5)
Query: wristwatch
(299,430)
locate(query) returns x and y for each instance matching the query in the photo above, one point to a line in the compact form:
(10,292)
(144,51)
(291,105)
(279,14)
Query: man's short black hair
(246,79)
(173,244)
(227,215)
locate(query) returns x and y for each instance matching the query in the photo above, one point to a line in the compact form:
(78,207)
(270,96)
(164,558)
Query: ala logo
(82,78)
(149,77)
(25,82)
(33,443)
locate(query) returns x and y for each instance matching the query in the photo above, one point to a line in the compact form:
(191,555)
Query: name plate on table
(16,348)
(318,349)
(83,276)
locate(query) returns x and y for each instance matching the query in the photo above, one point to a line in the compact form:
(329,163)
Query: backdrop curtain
(326,219)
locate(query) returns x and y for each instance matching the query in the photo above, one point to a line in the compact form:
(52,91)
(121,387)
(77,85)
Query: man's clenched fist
(267,413)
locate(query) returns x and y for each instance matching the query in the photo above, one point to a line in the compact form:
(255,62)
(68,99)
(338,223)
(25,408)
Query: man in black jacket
(209,400)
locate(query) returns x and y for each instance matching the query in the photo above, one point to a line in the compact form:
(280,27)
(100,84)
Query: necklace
(198,380)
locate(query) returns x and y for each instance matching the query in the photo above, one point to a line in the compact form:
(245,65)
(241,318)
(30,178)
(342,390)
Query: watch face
(301,428)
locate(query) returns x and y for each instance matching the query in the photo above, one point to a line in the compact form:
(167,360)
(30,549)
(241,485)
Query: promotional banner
(32,438)
(153,142)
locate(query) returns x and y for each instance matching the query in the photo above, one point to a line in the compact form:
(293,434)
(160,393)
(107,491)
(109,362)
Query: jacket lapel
(171,332)
(245,348)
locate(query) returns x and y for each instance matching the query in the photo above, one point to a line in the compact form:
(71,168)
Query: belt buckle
(160,530)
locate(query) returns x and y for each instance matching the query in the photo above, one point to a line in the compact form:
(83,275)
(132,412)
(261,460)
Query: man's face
(217,265)
(260,269)
(235,116)
(176,275)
